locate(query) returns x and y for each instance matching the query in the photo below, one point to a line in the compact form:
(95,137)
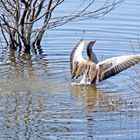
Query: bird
(91,70)
(76,58)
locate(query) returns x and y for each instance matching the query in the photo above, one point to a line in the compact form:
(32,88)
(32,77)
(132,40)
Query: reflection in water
(90,113)
(96,101)
(31,108)
(27,65)
(37,51)
(90,95)
(20,63)
(20,119)
(37,101)
(96,98)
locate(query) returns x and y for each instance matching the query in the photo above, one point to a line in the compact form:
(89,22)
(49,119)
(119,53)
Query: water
(37,100)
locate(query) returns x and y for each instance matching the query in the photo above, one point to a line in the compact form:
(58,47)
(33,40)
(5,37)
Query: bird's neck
(89,52)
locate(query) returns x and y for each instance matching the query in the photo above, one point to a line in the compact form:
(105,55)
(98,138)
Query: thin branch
(18,17)
(5,7)
(4,36)
(39,9)
(59,21)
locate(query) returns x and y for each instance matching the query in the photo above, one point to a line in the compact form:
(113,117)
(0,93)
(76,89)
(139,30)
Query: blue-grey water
(38,102)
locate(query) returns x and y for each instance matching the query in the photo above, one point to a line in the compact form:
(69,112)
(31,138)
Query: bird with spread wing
(93,71)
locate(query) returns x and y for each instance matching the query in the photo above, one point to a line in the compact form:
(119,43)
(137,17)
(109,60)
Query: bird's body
(94,72)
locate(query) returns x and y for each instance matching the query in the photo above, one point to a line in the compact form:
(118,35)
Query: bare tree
(18,18)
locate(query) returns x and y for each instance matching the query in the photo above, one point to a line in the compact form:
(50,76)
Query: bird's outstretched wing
(76,59)
(113,66)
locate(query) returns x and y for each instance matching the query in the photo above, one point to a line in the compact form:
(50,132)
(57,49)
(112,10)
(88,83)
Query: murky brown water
(37,100)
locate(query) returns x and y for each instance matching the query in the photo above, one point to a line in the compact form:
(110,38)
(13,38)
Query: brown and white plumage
(76,57)
(94,73)
(113,66)
(77,61)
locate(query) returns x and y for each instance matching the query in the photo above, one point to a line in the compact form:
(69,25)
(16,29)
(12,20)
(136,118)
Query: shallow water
(37,100)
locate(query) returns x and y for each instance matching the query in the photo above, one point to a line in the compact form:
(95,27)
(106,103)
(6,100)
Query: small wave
(80,84)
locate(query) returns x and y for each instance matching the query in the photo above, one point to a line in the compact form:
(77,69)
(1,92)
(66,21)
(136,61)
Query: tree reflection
(19,116)
(23,64)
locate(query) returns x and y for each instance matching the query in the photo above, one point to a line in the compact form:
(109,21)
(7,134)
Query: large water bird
(76,58)
(94,71)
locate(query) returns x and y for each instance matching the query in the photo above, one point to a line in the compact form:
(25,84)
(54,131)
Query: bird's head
(91,43)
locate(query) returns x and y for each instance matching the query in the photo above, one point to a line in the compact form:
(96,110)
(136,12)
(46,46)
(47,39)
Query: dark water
(38,102)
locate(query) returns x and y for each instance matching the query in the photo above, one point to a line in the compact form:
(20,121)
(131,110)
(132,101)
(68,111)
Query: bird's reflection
(91,95)
(96,101)
(87,93)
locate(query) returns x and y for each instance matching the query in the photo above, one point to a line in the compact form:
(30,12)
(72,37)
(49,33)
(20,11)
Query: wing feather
(76,57)
(115,65)
(80,69)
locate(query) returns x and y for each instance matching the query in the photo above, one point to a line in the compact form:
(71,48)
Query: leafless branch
(4,36)
(18,18)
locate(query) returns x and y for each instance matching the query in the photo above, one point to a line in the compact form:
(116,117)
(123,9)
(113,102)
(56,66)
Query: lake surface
(37,100)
